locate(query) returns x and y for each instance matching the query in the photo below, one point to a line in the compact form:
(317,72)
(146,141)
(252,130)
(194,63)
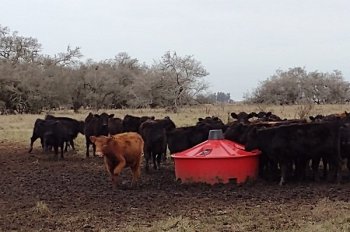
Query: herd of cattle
(288,146)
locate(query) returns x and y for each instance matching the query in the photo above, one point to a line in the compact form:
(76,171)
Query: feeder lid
(217,148)
(215,134)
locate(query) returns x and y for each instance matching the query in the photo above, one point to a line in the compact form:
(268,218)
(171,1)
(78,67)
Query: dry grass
(171,224)
(326,215)
(41,209)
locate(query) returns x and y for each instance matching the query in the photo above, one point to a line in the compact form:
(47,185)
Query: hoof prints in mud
(76,194)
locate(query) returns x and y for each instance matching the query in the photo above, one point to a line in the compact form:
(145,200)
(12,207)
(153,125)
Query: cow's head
(243,116)
(252,142)
(101,143)
(104,118)
(168,124)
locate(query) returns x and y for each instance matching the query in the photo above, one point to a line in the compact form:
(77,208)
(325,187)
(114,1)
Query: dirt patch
(38,193)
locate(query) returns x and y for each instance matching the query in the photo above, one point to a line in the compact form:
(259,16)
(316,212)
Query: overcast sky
(239,42)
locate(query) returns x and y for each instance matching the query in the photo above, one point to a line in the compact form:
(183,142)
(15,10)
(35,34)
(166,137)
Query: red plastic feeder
(216,160)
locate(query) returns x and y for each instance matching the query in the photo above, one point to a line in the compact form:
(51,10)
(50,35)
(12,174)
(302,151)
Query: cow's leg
(94,149)
(164,155)
(339,170)
(121,164)
(114,179)
(315,164)
(117,171)
(154,158)
(87,147)
(159,158)
(147,162)
(72,144)
(333,169)
(284,169)
(61,146)
(273,171)
(331,174)
(300,168)
(46,146)
(66,147)
(109,168)
(32,140)
(55,147)
(325,165)
(262,165)
(147,156)
(136,173)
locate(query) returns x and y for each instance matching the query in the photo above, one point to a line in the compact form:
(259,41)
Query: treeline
(31,81)
(297,86)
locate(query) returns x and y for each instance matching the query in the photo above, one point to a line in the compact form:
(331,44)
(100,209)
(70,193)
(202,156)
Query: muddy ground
(40,194)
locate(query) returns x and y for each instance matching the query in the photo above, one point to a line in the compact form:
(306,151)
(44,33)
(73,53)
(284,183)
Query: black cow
(73,127)
(38,132)
(267,116)
(52,133)
(298,143)
(343,119)
(154,134)
(115,126)
(345,143)
(183,138)
(331,117)
(238,132)
(95,125)
(243,116)
(132,123)
(214,122)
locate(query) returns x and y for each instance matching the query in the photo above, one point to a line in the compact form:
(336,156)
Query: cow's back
(115,126)
(130,145)
(152,132)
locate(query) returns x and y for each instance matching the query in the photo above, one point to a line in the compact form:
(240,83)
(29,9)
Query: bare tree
(68,58)
(185,74)
(17,49)
(296,86)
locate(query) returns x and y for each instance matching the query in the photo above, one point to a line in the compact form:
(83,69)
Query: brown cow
(119,151)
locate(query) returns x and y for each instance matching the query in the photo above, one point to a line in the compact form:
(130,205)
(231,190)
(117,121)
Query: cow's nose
(98,153)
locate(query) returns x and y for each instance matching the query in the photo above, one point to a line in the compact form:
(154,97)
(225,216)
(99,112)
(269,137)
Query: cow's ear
(111,116)
(93,139)
(96,115)
(268,114)
(251,115)
(200,119)
(234,115)
(110,140)
(312,118)
(152,117)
